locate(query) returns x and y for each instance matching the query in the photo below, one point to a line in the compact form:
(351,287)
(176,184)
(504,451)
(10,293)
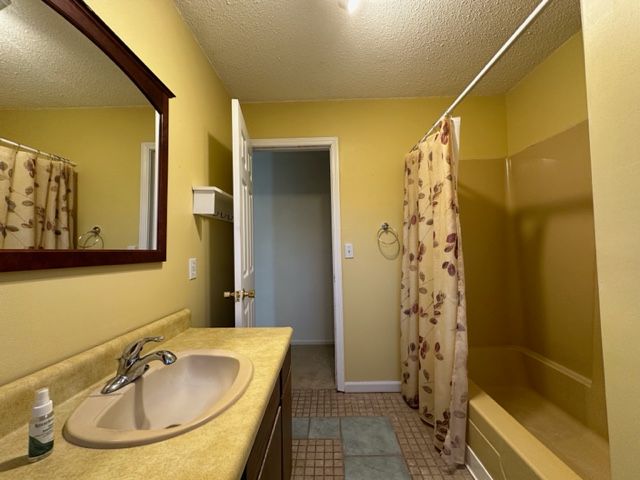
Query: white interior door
(242,220)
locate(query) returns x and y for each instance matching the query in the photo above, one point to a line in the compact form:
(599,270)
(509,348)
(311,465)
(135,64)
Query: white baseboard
(372,387)
(312,342)
(475,467)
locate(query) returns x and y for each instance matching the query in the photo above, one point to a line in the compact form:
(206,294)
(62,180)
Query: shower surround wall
(551,224)
(536,344)
(551,213)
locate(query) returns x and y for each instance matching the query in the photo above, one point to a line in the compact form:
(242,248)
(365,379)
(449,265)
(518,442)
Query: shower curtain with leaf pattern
(37,201)
(433,314)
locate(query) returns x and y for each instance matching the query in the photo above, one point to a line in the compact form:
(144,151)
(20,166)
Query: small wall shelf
(213,203)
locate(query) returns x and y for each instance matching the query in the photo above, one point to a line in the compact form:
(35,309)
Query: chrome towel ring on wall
(91,239)
(388,241)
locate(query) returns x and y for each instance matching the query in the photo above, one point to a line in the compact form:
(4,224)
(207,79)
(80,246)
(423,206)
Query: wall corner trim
(372,387)
(475,466)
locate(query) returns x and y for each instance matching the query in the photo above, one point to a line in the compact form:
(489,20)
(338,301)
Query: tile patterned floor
(369,446)
(375,468)
(316,458)
(368,436)
(321,427)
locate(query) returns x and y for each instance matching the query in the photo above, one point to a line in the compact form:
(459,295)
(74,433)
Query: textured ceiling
(267,50)
(45,62)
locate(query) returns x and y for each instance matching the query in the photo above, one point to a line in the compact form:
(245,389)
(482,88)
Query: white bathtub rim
(475,466)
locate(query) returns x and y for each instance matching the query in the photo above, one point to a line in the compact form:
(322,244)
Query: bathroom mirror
(83,142)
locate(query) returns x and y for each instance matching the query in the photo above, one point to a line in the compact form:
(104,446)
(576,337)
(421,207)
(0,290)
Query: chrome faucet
(131,365)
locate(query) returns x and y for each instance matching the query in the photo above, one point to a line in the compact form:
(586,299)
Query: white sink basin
(166,401)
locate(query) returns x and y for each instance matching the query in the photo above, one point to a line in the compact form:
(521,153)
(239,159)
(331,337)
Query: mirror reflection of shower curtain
(37,201)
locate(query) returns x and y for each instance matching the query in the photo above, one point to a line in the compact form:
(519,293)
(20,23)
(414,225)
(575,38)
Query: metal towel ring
(91,239)
(385,230)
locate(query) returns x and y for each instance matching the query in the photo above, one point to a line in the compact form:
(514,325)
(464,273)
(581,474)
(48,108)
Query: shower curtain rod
(532,16)
(29,149)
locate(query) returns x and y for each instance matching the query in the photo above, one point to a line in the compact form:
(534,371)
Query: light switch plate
(348,250)
(193,268)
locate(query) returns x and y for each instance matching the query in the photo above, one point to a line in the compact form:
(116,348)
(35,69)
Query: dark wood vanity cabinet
(270,457)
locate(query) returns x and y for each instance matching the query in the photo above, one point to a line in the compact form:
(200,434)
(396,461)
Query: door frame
(330,144)
(148,195)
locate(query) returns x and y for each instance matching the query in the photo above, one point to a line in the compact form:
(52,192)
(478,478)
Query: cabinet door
(261,443)
(272,465)
(286,427)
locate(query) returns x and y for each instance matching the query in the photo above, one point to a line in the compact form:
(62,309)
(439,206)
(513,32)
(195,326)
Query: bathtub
(516,433)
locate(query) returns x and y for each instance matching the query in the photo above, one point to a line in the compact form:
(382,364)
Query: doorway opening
(297,253)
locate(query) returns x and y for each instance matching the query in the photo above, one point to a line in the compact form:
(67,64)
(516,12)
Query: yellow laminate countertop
(217,450)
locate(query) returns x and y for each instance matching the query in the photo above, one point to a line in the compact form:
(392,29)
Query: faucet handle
(132,351)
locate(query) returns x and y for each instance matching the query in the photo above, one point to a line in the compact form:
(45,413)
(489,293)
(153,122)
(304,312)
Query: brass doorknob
(239,295)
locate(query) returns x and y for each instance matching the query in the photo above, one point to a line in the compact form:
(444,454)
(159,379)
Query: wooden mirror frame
(78,14)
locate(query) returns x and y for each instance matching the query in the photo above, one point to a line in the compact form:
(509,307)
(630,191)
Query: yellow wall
(105,143)
(612,58)
(374,136)
(50,315)
(550,99)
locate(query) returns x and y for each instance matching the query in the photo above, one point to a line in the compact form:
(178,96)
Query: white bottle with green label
(41,426)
